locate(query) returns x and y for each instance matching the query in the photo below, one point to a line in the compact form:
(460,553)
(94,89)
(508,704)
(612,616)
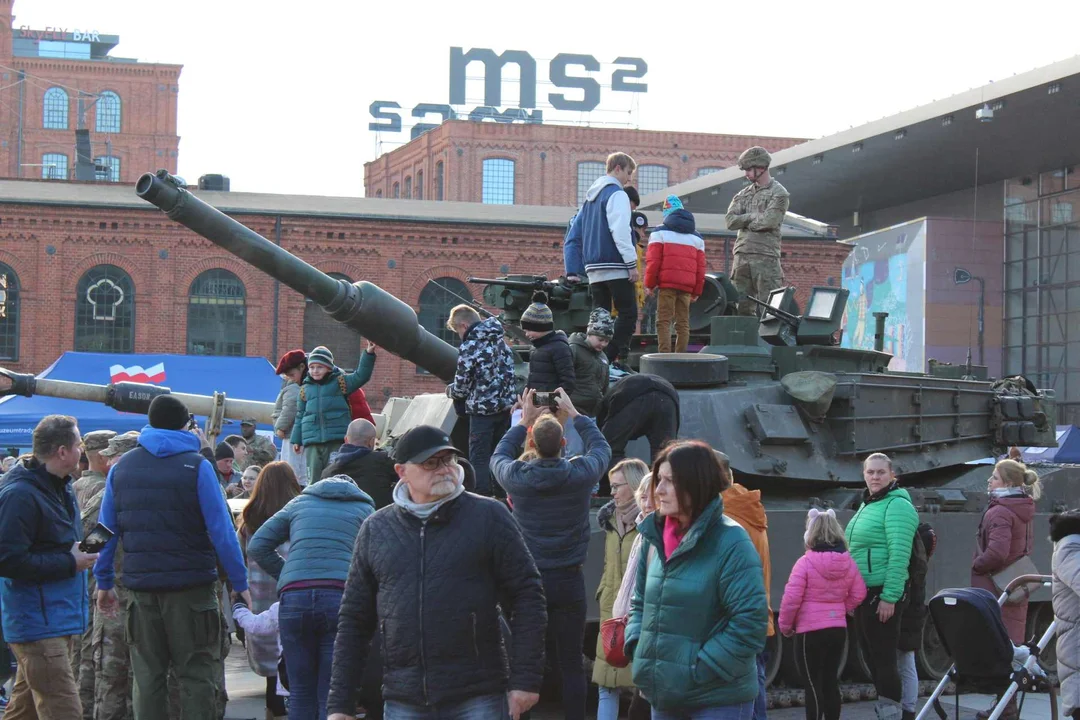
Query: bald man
(372,470)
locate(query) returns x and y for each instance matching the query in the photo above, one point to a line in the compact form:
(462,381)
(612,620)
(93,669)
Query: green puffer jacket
(879,538)
(322,410)
(698,619)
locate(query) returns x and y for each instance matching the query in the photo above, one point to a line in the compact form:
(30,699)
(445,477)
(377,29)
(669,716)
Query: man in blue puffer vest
(165,505)
(43,587)
(600,245)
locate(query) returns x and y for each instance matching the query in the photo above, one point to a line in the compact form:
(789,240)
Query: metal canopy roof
(920,153)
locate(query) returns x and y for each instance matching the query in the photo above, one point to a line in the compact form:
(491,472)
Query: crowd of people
(424,581)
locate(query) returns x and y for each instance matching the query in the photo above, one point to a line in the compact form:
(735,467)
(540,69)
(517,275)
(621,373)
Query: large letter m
(493,67)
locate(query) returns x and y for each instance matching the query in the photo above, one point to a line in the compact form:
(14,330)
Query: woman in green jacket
(699,614)
(322,410)
(879,537)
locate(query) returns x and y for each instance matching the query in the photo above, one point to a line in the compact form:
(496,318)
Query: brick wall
(148,94)
(49,248)
(546,157)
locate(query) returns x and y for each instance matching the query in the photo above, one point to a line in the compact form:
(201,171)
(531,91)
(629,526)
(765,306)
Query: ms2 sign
(558,74)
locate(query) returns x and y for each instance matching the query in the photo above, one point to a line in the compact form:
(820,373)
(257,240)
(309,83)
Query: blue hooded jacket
(154,522)
(41,593)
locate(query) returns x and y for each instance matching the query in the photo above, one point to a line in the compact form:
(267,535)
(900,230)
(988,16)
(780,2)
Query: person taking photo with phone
(551,505)
(43,572)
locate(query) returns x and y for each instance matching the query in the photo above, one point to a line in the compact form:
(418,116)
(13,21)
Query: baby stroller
(968,621)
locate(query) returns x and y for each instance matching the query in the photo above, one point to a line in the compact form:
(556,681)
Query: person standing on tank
(1006,535)
(322,408)
(600,247)
(879,537)
(675,272)
(757,213)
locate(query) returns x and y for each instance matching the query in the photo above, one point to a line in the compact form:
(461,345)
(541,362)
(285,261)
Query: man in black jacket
(372,470)
(636,406)
(429,571)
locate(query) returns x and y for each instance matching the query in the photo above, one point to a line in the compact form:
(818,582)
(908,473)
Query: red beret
(291,359)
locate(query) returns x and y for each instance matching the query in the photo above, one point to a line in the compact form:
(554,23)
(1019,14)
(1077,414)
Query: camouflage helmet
(756,156)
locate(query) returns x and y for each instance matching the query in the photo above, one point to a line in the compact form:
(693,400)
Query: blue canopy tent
(1067,451)
(243,378)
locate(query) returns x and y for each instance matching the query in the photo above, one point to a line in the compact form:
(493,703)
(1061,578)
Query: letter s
(618,78)
(378,110)
(589,86)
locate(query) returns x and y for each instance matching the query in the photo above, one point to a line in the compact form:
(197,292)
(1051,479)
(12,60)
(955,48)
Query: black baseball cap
(420,443)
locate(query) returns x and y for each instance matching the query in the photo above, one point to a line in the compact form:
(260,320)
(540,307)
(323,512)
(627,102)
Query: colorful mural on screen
(884,273)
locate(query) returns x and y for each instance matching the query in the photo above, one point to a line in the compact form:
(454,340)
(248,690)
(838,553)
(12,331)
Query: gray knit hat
(322,356)
(538,315)
(601,324)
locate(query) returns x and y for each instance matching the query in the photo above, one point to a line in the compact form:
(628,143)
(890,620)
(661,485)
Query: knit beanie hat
(321,356)
(601,324)
(671,204)
(538,315)
(224,450)
(167,413)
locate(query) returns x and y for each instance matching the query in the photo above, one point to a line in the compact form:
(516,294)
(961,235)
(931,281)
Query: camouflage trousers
(757,276)
(82,661)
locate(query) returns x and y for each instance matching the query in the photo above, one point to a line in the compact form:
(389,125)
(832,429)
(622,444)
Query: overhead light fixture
(946,121)
(900,134)
(857,147)
(999,105)
(781,171)
(984,114)
(818,159)
(1053,88)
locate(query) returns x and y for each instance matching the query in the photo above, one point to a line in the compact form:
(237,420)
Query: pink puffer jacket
(824,586)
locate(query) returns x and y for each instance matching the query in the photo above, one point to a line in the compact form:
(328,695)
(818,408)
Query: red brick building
(57,81)
(92,267)
(523,164)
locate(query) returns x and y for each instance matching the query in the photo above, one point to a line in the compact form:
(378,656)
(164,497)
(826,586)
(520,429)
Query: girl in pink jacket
(824,588)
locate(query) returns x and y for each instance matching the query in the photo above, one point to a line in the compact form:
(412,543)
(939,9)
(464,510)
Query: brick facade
(50,247)
(546,158)
(148,96)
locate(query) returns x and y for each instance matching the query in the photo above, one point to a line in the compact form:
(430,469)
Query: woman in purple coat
(1005,535)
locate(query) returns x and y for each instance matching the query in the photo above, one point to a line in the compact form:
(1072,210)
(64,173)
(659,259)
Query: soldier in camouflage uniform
(757,212)
(88,491)
(261,449)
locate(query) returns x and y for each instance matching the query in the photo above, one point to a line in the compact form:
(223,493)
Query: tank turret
(363,306)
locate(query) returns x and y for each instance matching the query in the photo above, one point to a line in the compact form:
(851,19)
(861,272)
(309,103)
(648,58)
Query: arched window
(217,315)
(9,313)
(408,188)
(105,311)
(498,182)
(651,178)
(108,112)
(437,298)
(439,180)
(397,191)
(55,115)
(321,329)
(587,173)
(107,168)
(54,166)
(420,185)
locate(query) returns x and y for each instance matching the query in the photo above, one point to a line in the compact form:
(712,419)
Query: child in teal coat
(322,410)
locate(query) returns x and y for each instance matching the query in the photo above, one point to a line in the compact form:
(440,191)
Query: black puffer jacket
(551,365)
(371,470)
(433,589)
(631,388)
(590,374)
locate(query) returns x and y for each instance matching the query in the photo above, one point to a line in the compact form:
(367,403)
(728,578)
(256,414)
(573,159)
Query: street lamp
(962,277)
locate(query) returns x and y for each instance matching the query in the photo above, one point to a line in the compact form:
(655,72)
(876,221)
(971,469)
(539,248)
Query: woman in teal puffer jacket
(880,537)
(322,410)
(699,614)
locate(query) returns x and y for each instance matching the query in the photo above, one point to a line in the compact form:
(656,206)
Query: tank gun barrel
(515,284)
(132,397)
(363,306)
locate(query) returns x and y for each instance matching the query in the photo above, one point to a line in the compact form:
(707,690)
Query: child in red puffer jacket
(824,588)
(675,271)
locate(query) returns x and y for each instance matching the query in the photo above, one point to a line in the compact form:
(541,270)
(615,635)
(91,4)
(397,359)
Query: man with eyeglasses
(43,572)
(429,572)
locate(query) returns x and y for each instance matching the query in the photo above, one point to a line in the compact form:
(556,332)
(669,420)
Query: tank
(795,412)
